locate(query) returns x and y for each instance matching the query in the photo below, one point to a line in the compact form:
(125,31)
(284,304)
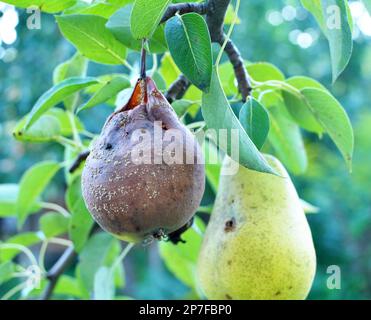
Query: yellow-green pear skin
(258,244)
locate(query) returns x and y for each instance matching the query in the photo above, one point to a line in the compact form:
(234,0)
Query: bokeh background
(280,32)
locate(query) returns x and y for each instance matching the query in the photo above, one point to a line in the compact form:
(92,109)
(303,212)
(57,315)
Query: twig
(178,89)
(182,8)
(216,10)
(56,271)
(81,158)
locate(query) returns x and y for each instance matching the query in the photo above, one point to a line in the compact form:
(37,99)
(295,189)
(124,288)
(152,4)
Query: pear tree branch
(56,271)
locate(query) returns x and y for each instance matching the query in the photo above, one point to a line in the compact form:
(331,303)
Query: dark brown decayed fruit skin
(134,201)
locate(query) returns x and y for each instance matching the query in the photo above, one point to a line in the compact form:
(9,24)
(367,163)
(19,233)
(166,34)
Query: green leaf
(8,199)
(64,121)
(297,107)
(50,6)
(286,139)
(109,90)
(77,66)
(68,286)
(6,271)
(119,25)
(56,95)
(333,118)
(146,16)
(181,259)
(169,69)
(230,16)
(49,127)
(334,20)
(103,9)
(93,256)
(104,288)
(90,36)
(189,43)
(81,221)
(181,106)
(264,71)
(46,128)
(26,239)
(53,224)
(32,184)
(218,115)
(227,77)
(255,120)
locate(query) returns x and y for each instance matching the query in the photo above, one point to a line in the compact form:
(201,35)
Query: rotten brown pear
(137,182)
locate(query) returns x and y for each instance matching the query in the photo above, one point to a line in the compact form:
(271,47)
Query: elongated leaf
(103,9)
(81,221)
(264,71)
(90,36)
(50,6)
(287,141)
(53,224)
(181,106)
(77,66)
(119,25)
(46,128)
(298,109)
(56,95)
(255,120)
(146,16)
(108,91)
(32,184)
(189,43)
(181,259)
(333,118)
(334,19)
(95,255)
(218,115)
(49,127)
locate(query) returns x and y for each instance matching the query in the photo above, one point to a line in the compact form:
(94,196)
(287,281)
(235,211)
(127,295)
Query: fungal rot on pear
(135,189)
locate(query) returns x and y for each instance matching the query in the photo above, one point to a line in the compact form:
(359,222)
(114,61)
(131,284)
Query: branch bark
(80,159)
(182,8)
(56,271)
(178,89)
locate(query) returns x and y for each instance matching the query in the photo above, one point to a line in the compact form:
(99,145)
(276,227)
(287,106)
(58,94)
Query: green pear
(258,244)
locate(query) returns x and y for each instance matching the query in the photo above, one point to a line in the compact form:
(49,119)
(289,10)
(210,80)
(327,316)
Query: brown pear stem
(143,71)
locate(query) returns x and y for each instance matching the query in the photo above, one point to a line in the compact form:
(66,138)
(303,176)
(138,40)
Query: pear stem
(143,72)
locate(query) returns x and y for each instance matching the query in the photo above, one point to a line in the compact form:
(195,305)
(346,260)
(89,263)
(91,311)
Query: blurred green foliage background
(280,32)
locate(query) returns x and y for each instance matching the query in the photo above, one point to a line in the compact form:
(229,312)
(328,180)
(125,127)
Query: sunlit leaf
(33,183)
(91,37)
(189,43)
(146,16)
(218,115)
(81,221)
(255,120)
